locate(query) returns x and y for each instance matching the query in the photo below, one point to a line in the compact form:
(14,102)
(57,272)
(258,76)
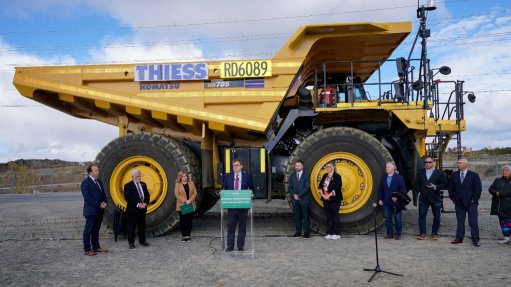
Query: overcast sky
(473,37)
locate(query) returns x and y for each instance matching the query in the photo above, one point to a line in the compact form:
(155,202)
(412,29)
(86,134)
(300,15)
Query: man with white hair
(137,197)
(465,190)
(390,185)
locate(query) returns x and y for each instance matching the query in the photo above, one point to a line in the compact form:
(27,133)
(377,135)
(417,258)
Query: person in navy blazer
(237,216)
(94,204)
(429,183)
(390,184)
(299,189)
(465,194)
(136,208)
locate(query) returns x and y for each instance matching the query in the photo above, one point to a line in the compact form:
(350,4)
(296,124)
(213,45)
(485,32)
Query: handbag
(187,208)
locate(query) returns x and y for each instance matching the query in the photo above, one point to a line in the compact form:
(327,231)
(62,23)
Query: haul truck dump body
(309,102)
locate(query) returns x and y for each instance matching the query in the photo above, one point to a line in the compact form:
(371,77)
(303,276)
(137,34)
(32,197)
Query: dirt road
(40,244)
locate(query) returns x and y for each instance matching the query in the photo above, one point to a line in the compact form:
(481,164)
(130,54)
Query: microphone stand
(377,269)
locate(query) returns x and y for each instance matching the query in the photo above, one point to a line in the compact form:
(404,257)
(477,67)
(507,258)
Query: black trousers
(236,217)
(332,217)
(461,212)
(301,212)
(136,218)
(185,223)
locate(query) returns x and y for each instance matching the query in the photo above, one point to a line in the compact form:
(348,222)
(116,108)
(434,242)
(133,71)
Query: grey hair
(331,163)
(134,172)
(393,164)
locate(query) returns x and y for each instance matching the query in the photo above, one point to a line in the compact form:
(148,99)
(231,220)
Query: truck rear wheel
(360,160)
(159,159)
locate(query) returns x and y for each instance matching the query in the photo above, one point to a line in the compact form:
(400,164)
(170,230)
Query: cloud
(116,52)
(477,51)
(31,130)
(177,20)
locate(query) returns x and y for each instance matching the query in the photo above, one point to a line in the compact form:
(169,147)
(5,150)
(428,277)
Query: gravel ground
(40,244)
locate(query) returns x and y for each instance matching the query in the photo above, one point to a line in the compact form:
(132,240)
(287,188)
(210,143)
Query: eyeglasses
(428,162)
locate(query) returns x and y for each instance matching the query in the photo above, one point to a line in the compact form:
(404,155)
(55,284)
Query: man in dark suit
(299,189)
(429,183)
(237,180)
(137,196)
(465,191)
(94,204)
(390,184)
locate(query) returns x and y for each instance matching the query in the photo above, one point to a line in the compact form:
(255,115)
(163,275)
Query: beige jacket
(179,192)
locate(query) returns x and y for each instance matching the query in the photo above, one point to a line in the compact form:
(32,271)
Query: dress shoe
(476,243)
(101,250)
(296,235)
(132,246)
(305,236)
(389,236)
(240,249)
(456,241)
(229,249)
(144,244)
(434,236)
(397,237)
(89,253)
(422,236)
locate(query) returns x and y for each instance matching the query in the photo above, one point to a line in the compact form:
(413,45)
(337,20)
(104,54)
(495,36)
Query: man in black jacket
(299,189)
(429,183)
(465,191)
(137,196)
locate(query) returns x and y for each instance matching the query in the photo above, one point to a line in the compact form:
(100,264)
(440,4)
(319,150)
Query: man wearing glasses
(429,183)
(237,180)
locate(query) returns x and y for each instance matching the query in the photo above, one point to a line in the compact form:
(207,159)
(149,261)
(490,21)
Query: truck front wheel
(159,159)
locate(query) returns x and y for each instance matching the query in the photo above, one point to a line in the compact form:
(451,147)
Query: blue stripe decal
(254,83)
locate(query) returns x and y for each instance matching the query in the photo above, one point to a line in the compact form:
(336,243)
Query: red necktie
(237,183)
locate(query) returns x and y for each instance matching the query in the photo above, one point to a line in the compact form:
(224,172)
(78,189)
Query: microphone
(374,204)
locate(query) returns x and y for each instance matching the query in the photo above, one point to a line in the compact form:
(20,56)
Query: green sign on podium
(235,199)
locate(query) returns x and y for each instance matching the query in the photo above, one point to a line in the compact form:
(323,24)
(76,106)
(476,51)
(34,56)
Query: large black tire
(144,151)
(343,140)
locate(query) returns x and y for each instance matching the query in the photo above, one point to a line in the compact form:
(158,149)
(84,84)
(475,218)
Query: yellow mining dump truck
(323,97)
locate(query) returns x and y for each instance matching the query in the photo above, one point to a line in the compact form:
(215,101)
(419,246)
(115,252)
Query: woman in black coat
(501,202)
(330,192)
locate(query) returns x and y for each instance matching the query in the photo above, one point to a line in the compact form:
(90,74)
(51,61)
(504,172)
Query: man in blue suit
(390,185)
(94,204)
(299,189)
(465,190)
(237,180)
